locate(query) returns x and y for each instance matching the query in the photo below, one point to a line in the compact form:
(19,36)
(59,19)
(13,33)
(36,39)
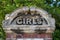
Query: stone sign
(29,23)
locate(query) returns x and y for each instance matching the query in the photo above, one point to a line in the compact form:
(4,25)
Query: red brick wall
(45,35)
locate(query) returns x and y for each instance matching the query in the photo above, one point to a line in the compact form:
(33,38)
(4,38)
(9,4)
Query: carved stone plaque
(29,24)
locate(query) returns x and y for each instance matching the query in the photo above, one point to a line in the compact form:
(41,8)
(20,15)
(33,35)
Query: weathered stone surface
(29,21)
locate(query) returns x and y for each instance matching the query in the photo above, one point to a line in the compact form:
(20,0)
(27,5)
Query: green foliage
(7,6)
